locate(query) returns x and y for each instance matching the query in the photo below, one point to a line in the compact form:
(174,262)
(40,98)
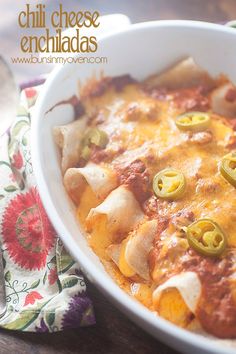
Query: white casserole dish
(139,50)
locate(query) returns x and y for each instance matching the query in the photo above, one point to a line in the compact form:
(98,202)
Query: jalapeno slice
(194,121)
(93,136)
(86,152)
(228,168)
(206,237)
(169,184)
(97,137)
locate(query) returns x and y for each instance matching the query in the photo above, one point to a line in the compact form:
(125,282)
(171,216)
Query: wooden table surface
(113,333)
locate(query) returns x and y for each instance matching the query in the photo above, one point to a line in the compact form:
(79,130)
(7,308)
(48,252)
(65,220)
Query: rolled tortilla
(138,246)
(122,210)
(114,252)
(220,104)
(68,137)
(183,75)
(101,180)
(188,285)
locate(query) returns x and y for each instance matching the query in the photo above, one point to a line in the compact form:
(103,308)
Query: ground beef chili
(232,123)
(120,82)
(216,309)
(189,99)
(184,99)
(231,95)
(98,154)
(231,144)
(151,207)
(182,218)
(137,178)
(96,88)
(102,155)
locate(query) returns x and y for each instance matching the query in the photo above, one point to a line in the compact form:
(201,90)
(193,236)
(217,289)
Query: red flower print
(32,297)
(30,92)
(17,160)
(27,232)
(52,276)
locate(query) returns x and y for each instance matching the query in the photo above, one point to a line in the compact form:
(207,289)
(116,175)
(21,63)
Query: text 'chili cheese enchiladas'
(151,168)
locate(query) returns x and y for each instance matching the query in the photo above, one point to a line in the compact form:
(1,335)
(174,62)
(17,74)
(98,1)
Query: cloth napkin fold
(45,290)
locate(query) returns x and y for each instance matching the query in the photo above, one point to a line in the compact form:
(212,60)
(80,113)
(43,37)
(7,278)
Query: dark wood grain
(113,333)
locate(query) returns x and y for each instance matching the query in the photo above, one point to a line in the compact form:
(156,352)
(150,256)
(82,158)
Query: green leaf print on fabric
(22,112)
(69,282)
(5,163)
(65,263)
(35,284)
(24,141)
(45,278)
(50,318)
(25,318)
(23,321)
(3,262)
(10,188)
(7,276)
(18,126)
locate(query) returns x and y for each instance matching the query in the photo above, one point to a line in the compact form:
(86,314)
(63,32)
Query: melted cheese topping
(123,265)
(172,307)
(207,193)
(142,127)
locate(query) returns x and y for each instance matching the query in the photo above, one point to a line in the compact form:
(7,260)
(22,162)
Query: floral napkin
(44,288)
